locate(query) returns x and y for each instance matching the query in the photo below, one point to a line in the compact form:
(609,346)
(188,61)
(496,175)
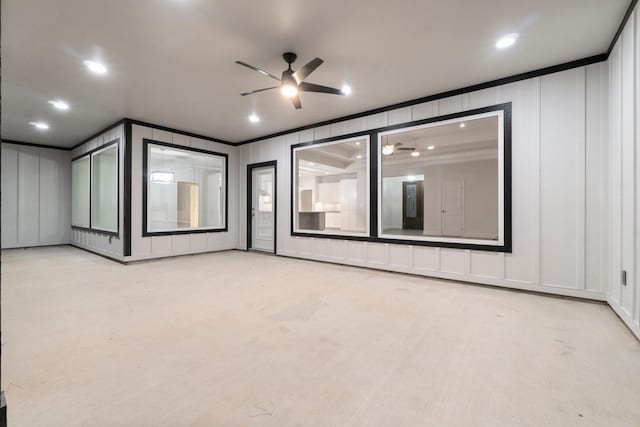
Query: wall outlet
(624,277)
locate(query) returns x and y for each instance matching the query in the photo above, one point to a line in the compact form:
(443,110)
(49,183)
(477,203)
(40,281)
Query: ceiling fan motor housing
(290,58)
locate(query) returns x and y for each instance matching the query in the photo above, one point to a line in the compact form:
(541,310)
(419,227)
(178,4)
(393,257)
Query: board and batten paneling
(163,246)
(95,241)
(623,200)
(36,186)
(559,137)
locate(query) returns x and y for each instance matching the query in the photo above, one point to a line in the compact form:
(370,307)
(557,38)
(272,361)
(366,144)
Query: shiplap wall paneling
(636,313)
(171,245)
(9,196)
(522,267)
(624,181)
(35,196)
(597,178)
(627,169)
(29,196)
(562,185)
(109,246)
(558,119)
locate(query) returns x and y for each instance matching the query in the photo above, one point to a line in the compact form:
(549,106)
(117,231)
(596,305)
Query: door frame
(250,168)
(419,203)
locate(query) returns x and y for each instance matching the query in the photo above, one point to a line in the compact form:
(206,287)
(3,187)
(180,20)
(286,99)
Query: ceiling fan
(293,82)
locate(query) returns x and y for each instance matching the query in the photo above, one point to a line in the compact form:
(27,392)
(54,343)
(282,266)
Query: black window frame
(90,154)
(294,212)
(506,247)
(145,188)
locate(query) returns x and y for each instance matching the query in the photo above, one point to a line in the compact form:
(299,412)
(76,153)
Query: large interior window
(80,192)
(104,189)
(331,182)
(444,181)
(94,189)
(185,189)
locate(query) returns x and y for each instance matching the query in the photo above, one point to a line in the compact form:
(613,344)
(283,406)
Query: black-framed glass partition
(81,192)
(95,190)
(104,189)
(443,181)
(330,187)
(184,189)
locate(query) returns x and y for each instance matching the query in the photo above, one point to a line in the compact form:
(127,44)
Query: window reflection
(185,189)
(442,180)
(332,187)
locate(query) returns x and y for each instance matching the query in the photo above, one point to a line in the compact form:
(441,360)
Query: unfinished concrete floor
(242,339)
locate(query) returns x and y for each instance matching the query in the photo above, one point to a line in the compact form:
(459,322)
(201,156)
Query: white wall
(480,197)
(163,246)
(36,194)
(623,200)
(93,240)
(559,173)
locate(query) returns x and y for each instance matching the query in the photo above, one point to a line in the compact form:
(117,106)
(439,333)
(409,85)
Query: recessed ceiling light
(59,105)
(387,150)
(253,118)
(39,125)
(463,124)
(346,90)
(507,41)
(95,67)
(431,147)
(289,90)
(359,156)
(415,153)
(326,173)
(358,143)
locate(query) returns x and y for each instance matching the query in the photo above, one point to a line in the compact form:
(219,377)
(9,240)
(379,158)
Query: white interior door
(452,208)
(263,209)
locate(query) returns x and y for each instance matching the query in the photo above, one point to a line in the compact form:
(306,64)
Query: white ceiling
(171,62)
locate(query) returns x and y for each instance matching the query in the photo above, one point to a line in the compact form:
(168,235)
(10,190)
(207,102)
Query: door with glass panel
(262,210)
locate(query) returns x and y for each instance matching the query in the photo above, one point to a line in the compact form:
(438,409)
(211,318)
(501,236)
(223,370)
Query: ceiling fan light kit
(292,82)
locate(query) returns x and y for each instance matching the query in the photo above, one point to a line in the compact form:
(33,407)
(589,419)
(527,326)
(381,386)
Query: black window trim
(506,247)
(364,235)
(90,154)
(145,179)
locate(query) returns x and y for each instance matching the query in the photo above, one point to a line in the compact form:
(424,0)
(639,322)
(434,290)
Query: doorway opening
(262,206)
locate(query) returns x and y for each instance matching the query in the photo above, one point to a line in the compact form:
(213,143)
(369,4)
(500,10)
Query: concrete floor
(243,339)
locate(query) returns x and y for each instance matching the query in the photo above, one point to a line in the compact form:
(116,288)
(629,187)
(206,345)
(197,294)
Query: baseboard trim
(48,245)
(626,320)
(595,299)
(160,258)
(119,261)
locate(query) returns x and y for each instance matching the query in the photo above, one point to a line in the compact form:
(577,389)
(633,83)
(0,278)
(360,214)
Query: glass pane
(442,180)
(104,190)
(265,202)
(80,192)
(410,202)
(185,189)
(332,191)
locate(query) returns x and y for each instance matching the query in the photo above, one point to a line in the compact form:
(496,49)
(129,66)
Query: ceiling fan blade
(263,72)
(296,102)
(307,69)
(258,90)
(406,148)
(310,87)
